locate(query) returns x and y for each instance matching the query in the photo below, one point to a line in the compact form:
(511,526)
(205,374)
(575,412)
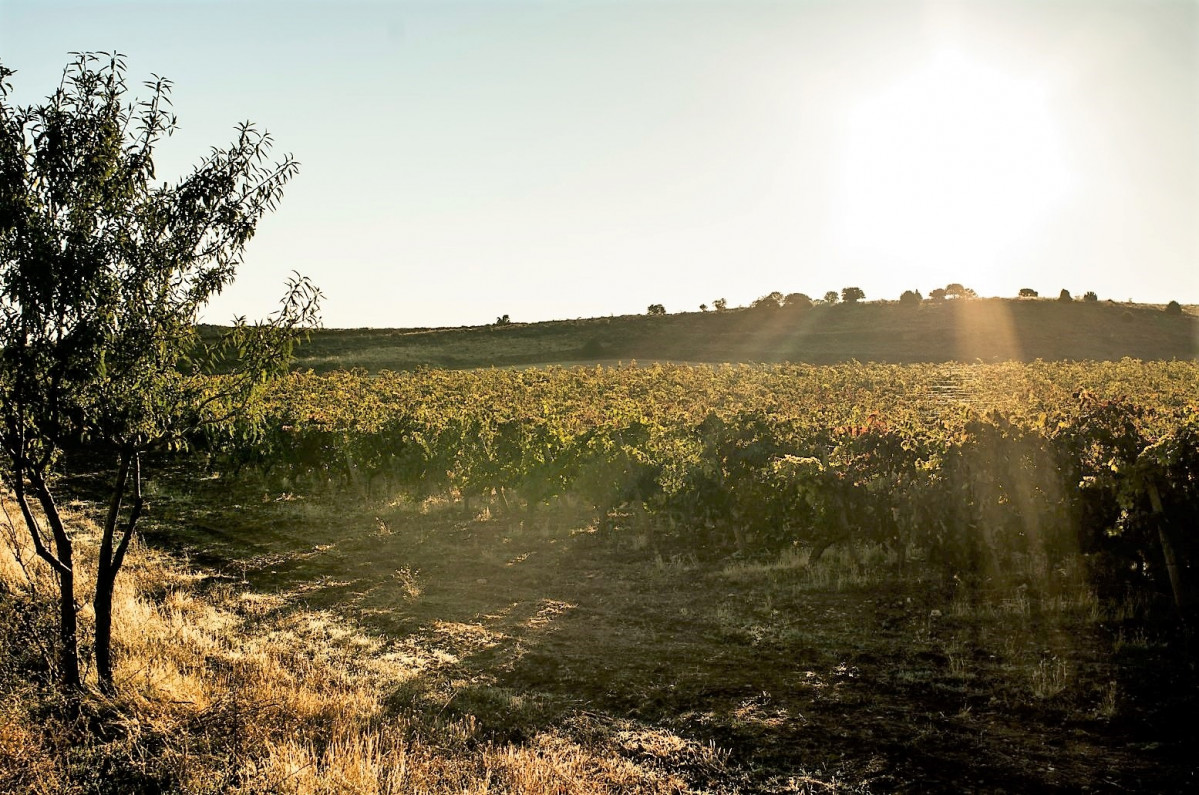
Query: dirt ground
(763,675)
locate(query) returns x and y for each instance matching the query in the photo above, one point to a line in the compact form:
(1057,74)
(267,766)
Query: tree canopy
(772,300)
(851,295)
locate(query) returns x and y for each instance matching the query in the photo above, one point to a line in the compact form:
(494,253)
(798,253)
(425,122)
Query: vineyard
(971,469)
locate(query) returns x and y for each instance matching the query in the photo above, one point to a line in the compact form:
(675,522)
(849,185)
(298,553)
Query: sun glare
(950,168)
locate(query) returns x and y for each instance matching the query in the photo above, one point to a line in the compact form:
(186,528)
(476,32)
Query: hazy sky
(580,158)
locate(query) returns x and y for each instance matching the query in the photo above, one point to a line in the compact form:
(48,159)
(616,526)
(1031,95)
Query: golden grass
(221,690)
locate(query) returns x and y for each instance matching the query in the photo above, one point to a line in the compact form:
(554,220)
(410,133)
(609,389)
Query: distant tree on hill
(1064,296)
(851,295)
(720,304)
(956,290)
(910,297)
(703,307)
(655,309)
(1028,292)
(797,301)
(832,297)
(769,301)
(1173,308)
(1090,296)
(503,320)
(937,294)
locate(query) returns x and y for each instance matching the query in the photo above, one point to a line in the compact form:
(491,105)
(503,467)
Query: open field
(988,330)
(467,613)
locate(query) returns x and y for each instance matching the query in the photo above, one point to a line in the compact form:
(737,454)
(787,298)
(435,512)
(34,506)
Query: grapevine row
(969,464)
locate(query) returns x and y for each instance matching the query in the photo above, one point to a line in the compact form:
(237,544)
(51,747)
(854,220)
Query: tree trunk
(112,556)
(61,561)
(68,628)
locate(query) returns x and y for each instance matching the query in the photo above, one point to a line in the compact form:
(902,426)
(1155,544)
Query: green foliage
(103,271)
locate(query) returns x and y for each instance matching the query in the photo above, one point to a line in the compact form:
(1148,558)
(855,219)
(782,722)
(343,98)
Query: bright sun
(950,168)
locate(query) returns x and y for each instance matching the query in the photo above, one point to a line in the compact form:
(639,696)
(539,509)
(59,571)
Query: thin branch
(114,510)
(35,532)
(134,514)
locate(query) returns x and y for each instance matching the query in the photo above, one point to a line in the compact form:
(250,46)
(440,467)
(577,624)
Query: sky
(581,158)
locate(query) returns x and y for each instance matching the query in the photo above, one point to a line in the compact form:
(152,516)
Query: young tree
(103,274)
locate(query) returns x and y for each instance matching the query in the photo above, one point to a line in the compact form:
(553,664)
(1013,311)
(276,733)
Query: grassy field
(986,329)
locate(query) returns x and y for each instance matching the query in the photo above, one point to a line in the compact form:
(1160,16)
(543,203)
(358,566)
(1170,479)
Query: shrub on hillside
(772,300)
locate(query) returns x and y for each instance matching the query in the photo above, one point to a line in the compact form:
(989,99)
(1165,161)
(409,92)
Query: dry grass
(839,568)
(226,691)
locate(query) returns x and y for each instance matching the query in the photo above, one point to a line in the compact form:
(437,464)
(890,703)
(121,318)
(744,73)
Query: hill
(991,329)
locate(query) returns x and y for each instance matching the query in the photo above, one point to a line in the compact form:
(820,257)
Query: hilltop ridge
(987,329)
